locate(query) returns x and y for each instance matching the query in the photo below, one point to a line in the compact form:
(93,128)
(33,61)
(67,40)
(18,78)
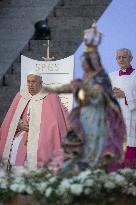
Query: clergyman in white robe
(124,88)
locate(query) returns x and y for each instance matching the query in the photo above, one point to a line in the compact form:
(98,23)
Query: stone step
(57,42)
(53,52)
(12,27)
(16,69)
(13,78)
(63,45)
(57,53)
(12,13)
(7,95)
(77,11)
(62,54)
(75,38)
(85,2)
(17,66)
(69,23)
(22,3)
(4,4)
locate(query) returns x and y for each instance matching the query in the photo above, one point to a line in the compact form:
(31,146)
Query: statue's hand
(75,84)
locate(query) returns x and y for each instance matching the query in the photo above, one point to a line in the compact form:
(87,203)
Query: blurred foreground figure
(33,128)
(124,89)
(97,134)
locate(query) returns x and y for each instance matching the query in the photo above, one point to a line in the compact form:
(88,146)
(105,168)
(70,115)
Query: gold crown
(92,38)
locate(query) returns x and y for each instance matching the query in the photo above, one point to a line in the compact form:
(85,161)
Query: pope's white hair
(128,51)
(39,76)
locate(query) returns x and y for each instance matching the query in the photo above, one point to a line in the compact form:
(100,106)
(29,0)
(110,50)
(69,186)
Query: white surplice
(17,140)
(127,83)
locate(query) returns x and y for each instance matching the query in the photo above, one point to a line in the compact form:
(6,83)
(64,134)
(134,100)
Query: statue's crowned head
(92,39)
(90,58)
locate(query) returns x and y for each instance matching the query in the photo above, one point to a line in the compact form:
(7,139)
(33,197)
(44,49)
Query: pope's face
(123,59)
(34,84)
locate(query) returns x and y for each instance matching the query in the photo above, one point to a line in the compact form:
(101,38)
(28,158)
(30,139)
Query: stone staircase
(17,18)
(67,21)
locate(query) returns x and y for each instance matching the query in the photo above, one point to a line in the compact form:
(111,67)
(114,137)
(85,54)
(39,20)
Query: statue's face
(34,84)
(123,59)
(85,65)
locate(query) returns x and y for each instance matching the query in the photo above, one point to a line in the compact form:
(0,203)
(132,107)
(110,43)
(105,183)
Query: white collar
(39,96)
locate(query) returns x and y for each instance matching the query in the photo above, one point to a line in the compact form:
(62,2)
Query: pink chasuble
(52,128)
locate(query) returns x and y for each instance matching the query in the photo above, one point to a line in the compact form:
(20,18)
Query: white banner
(54,73)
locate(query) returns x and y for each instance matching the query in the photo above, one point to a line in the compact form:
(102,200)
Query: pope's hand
(23,126)
(118,93)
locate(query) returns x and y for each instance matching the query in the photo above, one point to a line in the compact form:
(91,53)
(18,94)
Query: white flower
(19,171)
(48,192)
(109,185)
(87,191)
(89,182)
(19,188)
(126,171)
(4,184)
(132,190)
(41,186)
(3,179)
(29,190)
(65,183)
(64,186)
(103,178)
(83,175)
(99,171)
(19,180)
(72,180)
(134,174)
(120,180)
(76,189)
(2,174)
(112,175)
(14,187)
(52,179)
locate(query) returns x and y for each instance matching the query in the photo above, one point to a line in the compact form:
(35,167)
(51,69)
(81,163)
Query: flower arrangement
(96,186)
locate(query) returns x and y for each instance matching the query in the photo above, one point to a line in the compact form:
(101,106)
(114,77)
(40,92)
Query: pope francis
(33,128)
